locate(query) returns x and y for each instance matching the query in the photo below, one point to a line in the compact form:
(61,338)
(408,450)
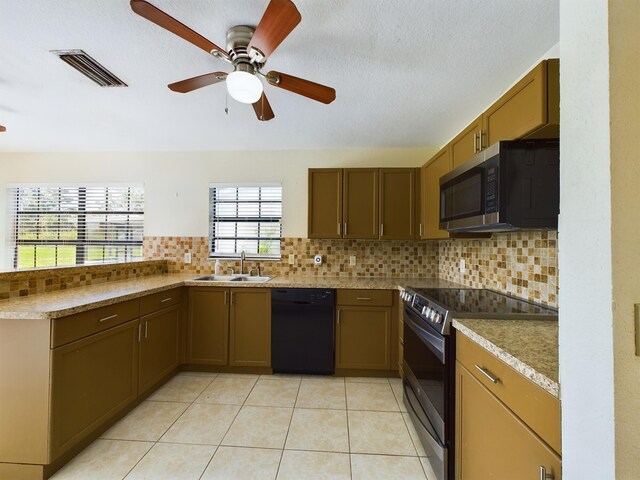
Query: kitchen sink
(233,278)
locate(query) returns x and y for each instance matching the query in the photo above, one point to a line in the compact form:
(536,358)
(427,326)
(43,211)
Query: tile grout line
(293,410)
(348,430)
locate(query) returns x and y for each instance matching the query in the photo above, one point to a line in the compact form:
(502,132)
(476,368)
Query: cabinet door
(325,203)
(491,442)
(467,143)
(208,326)
(91,380)
(363,337)
(360,197)
(159,346)
(250,332)
(520,111)
(397,203)
(432,171)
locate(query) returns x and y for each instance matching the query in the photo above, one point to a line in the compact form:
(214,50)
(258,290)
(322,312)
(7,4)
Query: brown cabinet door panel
(208,326)
(491,442)
(363,337)
(325,203)
(397,203)
(250,327)
(159,346)
(467,143)
(438,166)
(522,110)
(91,380)
(360,203)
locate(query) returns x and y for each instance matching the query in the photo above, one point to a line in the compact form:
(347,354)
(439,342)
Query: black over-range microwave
(511,185)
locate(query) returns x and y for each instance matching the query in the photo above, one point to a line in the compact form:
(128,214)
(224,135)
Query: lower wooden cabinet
(159,346)
(250,327)
(492,442)
(363,337)
(208,326)
(91,380)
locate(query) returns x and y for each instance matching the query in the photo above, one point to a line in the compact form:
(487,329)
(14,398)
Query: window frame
(258,219)
(81,242)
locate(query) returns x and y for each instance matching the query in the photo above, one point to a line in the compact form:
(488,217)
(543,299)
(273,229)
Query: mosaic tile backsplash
(29,282)
(374,258)
(523,264)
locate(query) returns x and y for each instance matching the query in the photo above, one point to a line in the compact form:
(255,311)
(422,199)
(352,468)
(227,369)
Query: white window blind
(75,225)
(245,218)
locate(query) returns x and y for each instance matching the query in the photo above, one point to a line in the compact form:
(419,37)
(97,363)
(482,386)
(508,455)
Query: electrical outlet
(463,267)
(292,259)
(187,257)
(317,260)
(352,260)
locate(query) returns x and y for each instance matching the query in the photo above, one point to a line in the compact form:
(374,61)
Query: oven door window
(430,373)
(463,196)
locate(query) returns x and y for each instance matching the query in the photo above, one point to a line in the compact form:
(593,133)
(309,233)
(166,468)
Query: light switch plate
(292,259)
(636,323)
(463,267)
(187,257)
(352,260)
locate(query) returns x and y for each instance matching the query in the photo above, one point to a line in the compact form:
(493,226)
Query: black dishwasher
(302,330)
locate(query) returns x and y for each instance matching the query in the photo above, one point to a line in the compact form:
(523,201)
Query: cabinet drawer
(375,298)
(537,408)
(80,325)
(158,301)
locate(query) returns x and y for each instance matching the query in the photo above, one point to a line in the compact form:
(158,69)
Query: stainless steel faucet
(242,262)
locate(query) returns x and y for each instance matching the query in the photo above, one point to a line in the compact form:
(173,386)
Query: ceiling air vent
(89,67)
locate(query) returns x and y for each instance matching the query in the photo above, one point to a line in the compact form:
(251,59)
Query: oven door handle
(435,443)
(435,343)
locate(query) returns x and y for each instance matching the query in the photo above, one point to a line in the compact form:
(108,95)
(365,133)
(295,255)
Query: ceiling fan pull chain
(226,103)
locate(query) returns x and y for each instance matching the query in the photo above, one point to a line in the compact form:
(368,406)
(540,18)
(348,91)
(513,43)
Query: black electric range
(429,358)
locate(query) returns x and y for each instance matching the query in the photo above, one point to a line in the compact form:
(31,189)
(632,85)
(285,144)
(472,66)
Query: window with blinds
(245,218)
(76,225)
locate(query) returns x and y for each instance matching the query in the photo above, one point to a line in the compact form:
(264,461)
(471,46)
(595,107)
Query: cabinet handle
(480,141)
(363,298)
(402,341)
(165,300)
(475,143)
(487,374)
(338,319)
(108,318)
(339,229)
(420,230)
(382,229)
(544,475)
(345,229)
(146,329)
(225,297)
(139,332)
(231,298)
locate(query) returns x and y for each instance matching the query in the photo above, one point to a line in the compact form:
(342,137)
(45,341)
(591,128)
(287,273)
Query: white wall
(585,297)
(176,184)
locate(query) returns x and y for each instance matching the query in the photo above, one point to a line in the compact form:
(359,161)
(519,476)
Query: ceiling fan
(247,50)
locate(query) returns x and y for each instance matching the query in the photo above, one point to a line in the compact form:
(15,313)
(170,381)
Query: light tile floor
(202,426)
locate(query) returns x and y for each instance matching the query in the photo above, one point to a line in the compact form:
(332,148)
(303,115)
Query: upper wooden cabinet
(360,209)
(438,166)
(397,203)
(531,108)
(325,203)
(467,143)
(368,203)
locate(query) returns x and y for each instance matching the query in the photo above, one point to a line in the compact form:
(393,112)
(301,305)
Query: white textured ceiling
(407,73)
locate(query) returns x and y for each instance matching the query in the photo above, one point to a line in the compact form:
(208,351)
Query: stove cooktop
(470,302)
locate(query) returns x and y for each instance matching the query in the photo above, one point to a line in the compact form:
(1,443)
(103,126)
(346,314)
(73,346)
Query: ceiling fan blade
(263,109)
(306,88)
(157,16)
(3,129)
(190,84)
(279,19)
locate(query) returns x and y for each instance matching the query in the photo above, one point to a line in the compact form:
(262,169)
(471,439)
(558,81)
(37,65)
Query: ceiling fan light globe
(244,87)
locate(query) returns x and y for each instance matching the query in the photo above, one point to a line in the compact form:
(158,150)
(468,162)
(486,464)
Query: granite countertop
(76,300)
(529,346)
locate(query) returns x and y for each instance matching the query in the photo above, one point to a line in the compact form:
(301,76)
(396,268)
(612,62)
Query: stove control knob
(404,295)
(432,315)
(438,318)
(428,312)
(424,310)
